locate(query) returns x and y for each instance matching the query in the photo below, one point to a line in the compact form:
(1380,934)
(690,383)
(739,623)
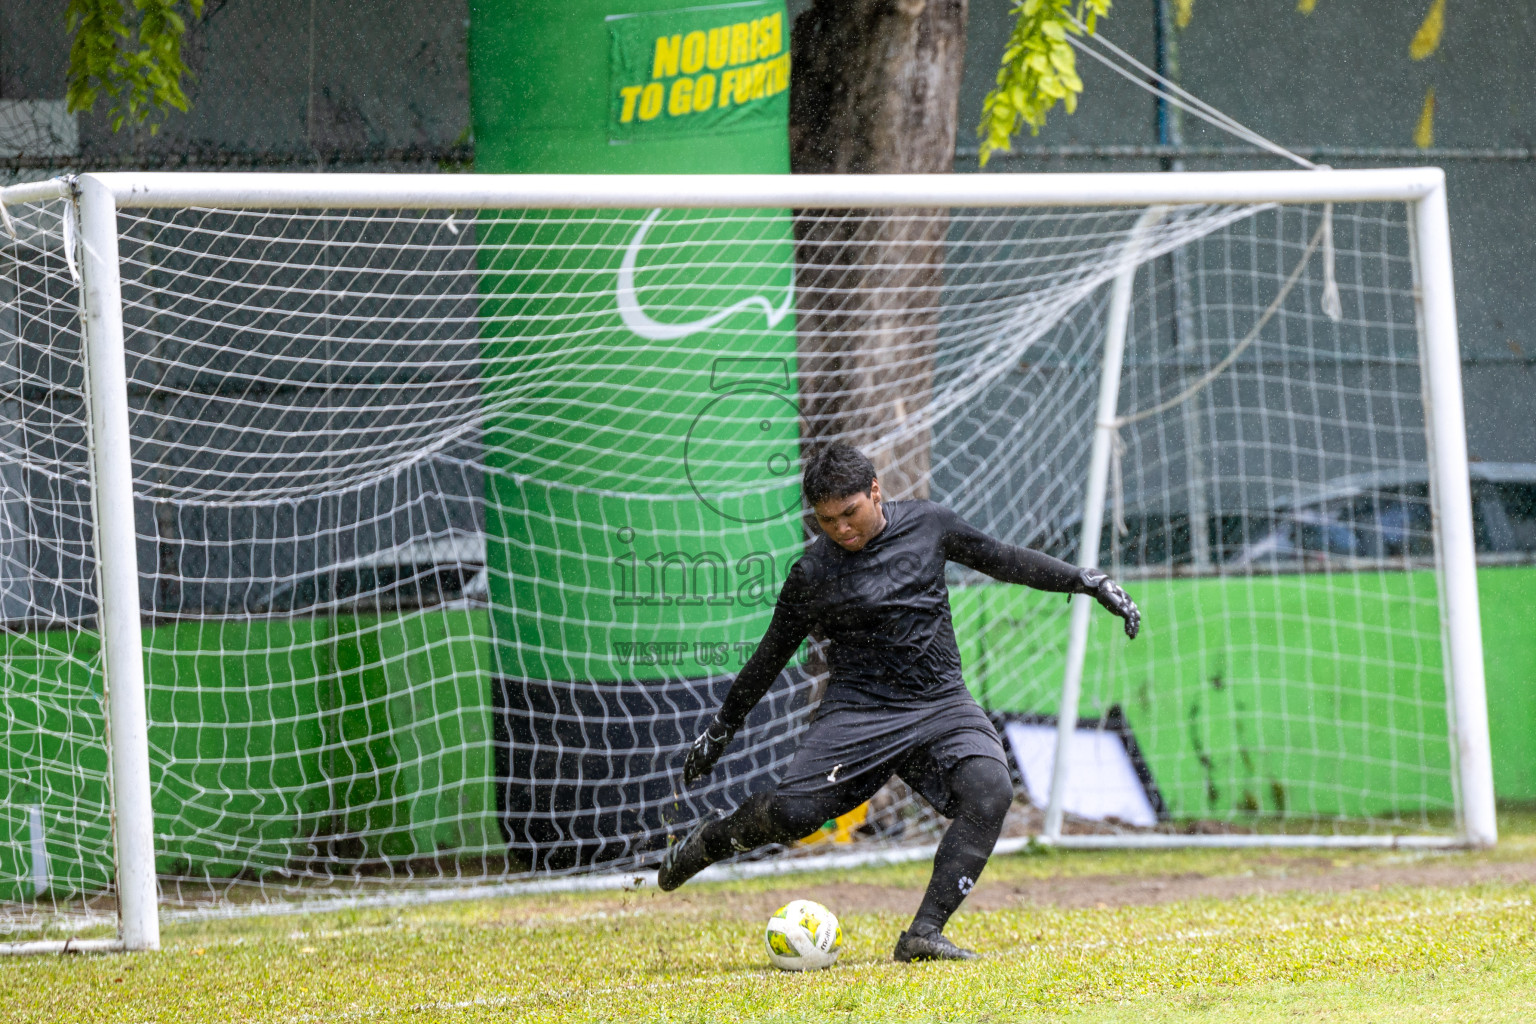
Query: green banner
(696,71)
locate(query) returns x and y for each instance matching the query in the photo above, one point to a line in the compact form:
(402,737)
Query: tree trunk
(875,89)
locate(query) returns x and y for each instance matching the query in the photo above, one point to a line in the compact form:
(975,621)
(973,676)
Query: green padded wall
(1241,678)
(267,738)
(622,433)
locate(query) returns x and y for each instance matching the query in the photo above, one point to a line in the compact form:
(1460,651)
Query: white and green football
(803,936)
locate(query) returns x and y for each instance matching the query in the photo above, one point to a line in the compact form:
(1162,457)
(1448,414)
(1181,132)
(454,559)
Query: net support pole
(1104,430)
(1451,493)
(118,571)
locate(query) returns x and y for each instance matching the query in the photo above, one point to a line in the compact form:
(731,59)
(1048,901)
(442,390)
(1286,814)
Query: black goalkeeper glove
(1108,593)
(706,750)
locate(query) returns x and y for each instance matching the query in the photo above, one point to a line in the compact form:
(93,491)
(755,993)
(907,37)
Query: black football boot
(685,859)
(933,946)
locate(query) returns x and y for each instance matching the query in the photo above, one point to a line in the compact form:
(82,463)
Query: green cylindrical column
(641,427)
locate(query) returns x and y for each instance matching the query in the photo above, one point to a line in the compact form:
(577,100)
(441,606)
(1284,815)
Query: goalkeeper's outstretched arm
(970,547)
(789,627)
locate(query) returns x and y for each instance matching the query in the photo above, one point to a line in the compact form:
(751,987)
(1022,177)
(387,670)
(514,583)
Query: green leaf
(1427,39)
(1038,69)
(140,72)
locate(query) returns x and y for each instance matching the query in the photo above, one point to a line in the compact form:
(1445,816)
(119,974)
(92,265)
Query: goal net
(455,510)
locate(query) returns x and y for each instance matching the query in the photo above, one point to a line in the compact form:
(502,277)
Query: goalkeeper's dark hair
(837,470)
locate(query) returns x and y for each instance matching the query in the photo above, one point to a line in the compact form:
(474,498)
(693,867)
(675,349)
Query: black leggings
(982,794)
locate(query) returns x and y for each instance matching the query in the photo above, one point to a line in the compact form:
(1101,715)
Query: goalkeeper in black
(895,702)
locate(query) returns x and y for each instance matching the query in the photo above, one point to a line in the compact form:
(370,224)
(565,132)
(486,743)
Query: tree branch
(139,73)
(1039,69)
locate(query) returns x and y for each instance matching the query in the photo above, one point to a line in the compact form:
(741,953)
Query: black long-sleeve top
(885,609)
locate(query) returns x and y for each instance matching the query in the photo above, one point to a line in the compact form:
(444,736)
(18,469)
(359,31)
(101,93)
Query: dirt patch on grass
(1267,876)
(1129,890)
(1312,875)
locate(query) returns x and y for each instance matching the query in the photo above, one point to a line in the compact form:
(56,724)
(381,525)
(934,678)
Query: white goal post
(311,278)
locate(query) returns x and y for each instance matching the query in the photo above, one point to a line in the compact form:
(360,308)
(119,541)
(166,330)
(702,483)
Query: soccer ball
(803,936)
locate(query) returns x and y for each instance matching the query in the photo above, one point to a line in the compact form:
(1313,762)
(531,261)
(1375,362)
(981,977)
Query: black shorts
(855,750)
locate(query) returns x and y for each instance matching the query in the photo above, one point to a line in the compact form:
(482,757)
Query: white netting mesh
(453,527)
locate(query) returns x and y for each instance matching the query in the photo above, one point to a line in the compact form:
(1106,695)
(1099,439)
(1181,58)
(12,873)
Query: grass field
(1177,936)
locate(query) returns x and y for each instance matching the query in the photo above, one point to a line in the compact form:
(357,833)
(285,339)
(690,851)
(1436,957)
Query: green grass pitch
(1174,936)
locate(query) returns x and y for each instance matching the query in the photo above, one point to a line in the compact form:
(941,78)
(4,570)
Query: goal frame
(99,198)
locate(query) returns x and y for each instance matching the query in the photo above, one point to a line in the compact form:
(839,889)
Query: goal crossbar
(251,191)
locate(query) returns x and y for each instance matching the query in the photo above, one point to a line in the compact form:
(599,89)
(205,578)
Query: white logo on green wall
(627,298)
(699,70)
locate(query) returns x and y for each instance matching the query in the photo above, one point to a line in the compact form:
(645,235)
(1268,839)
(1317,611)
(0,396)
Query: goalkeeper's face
(852,521)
